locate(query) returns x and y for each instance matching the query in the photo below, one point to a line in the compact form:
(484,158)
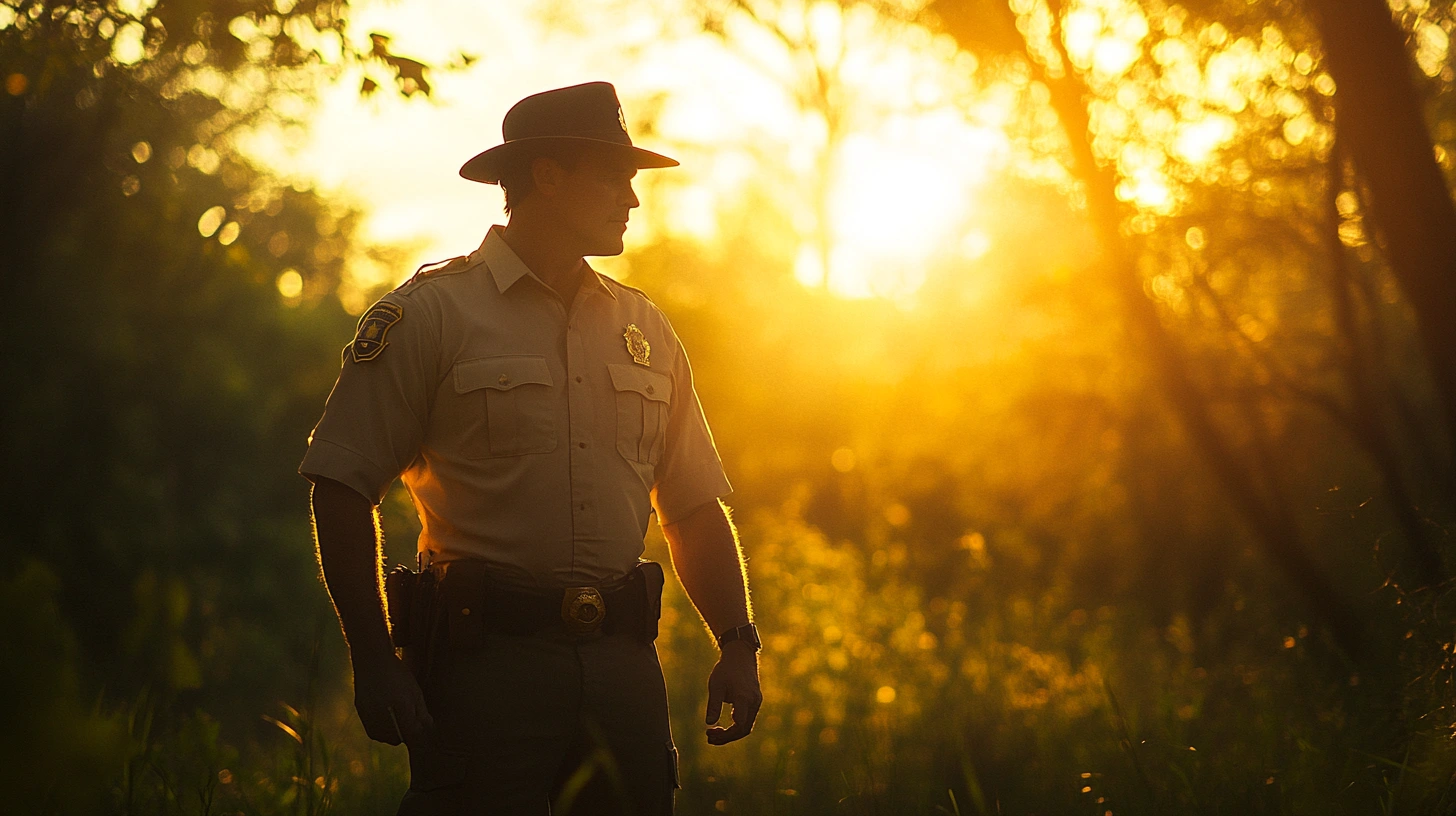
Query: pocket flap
(501,373)
(648,383)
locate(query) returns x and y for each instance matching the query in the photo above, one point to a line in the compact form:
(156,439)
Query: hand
(390,703)
(735,681)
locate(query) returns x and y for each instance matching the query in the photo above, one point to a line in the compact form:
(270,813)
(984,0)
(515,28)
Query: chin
(606,247)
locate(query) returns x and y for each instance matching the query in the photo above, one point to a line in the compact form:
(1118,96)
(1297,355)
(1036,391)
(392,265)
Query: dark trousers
(547,723)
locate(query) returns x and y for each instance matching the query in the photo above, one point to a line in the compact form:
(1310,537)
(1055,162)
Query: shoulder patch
(373,326)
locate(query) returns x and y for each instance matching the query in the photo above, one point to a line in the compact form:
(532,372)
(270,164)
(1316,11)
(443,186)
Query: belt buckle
(583,609)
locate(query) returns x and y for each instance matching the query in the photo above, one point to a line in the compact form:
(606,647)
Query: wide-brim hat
(581,114)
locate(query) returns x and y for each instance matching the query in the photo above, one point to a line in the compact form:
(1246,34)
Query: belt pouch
(463,595)
(652,580)
(399,598)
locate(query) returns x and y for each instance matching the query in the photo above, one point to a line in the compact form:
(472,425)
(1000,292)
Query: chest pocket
(514,393)
(643,397)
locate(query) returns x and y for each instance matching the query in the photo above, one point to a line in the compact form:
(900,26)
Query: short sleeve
(375,418)
(690,473)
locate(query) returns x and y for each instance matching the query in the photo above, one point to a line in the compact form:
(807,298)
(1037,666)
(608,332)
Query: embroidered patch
(369,340)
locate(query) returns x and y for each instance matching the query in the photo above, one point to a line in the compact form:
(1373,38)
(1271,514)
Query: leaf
(287,729)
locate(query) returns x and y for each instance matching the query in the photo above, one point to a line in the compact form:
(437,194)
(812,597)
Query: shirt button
(581,444)
(504,380)
(578,379)
(651,390)
(465,611)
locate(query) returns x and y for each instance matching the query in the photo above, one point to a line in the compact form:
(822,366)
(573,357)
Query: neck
(546,255)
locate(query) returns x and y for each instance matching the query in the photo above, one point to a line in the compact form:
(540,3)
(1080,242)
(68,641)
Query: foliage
(993,574)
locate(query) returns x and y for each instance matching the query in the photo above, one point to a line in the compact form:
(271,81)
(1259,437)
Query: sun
(895,196)
(902,199)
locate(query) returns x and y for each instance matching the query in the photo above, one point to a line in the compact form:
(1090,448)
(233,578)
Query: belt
(581,610)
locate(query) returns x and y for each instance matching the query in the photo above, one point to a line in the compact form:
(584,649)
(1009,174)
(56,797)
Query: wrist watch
(748,633)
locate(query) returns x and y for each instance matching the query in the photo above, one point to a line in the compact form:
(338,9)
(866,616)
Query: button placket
(580,404)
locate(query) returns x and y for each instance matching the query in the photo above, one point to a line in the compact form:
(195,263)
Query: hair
(517,178)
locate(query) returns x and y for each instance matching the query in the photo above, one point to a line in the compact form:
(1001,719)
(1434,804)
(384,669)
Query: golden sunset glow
(1083,372)
(920,132)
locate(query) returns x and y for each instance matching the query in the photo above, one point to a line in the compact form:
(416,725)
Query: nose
(632,202)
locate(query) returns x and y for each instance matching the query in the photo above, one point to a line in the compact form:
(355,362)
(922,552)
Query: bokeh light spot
(898,515)
(127,48)
(290,283)
(210,221)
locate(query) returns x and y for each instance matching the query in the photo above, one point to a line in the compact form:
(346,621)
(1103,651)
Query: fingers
(418,728)
(745,711)
(395,722)
(396,714)
(715,700)
(380,724)
(743,717)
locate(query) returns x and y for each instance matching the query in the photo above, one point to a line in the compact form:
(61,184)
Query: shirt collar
(506,267)
(504,264)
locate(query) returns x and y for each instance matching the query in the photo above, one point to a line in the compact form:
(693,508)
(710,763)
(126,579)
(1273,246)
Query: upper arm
(690,475)
(376,416)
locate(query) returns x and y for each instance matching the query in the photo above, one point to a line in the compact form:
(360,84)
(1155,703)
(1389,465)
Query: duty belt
(581,610)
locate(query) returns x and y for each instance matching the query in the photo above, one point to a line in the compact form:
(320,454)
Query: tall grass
(880,700)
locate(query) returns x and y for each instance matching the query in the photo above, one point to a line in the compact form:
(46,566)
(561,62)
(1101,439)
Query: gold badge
(583,609)
(638,345)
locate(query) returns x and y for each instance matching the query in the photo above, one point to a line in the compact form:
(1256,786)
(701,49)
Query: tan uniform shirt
(535,435)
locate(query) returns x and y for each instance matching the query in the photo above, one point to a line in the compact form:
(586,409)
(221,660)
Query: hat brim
(486,167)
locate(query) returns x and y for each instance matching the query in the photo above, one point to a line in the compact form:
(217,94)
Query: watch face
(750,634)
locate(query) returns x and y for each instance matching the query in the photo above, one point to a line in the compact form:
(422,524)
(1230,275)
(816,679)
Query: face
(592,202)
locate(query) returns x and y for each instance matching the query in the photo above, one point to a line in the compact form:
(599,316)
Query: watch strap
(748,633)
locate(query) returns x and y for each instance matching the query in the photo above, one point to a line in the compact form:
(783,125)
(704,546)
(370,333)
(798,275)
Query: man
(538,412)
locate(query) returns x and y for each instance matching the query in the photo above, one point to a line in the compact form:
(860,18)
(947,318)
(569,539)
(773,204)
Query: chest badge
(637,345)
(369,340)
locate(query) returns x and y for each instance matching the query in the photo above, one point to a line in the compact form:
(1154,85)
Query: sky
(903,183)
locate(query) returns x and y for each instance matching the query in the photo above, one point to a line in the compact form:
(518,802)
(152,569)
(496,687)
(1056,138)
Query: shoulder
(621,289)
(434,272)
(636,303)
(413,310)
(432,292)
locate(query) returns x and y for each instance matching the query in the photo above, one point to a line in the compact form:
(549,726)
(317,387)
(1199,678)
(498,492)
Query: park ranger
(538,412)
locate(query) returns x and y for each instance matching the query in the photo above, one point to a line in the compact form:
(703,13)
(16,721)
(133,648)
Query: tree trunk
(1381,125)
(1271,524)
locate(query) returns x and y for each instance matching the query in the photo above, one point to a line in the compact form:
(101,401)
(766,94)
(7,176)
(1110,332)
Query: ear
(548,175)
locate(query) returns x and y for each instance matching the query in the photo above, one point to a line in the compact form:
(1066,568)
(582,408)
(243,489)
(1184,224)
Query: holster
(410,599)
(652,582)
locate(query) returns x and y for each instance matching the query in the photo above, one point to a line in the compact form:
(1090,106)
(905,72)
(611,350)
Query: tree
(1383,126)
(155,279)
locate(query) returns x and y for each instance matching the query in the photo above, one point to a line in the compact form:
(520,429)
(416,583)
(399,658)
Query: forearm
(346,528)
(709,563)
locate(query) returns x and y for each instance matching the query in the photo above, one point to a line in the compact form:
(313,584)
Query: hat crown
(590,110)
(576,116)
